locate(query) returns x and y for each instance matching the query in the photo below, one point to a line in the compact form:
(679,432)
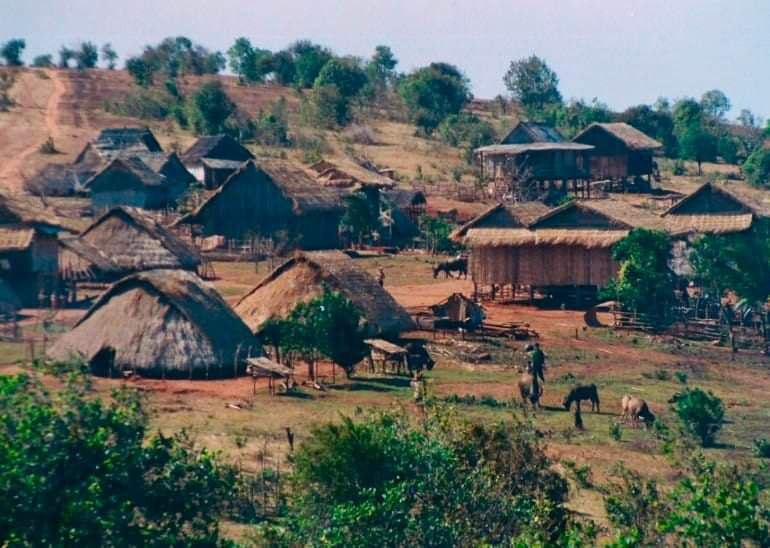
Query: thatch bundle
(160,323)
(306,276)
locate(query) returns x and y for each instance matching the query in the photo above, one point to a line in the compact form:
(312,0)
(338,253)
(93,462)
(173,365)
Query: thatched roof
(537,133)
(504,216)
(727,198)
(679,225)
(123,138)
(221,147)
(405,198)
(528,148)
(93,257)
(135,241)
(131,166)
(518,237)
(631,137)
(161,323)
(624,212)
(294,184)
(59,179)
(15,237)
(17,209)
(306,276)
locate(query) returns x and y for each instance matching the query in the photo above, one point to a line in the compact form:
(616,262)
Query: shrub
(360,135)
(209,108)
(432,93)
(701,413)
(77,470)
(143,103)
(756,168)
(679,168)
(762,448)
(616,432)
(436,232)
(11,52)
(383,481)
(48,146)
(581,475)
(681,377)
(43,61)
(634,507)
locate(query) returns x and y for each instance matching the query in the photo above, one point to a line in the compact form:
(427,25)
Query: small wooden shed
(620,151)
(129,181)
(212,158)
(263,200)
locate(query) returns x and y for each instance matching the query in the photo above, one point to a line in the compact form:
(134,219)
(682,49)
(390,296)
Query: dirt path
(24,136)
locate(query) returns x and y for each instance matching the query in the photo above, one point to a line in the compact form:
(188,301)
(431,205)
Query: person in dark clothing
(537,362)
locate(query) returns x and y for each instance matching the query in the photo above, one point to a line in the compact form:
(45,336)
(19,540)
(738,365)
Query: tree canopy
(209,108)
(432,93)
(11,52)
(533,83)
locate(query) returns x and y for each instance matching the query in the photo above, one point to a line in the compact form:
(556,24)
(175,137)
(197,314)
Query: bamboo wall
(542,265)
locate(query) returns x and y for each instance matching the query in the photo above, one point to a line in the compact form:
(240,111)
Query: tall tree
(715,104)
(209,108)
(11,52)
(309,59)
(87,56)
(533,83)
(656,122)
(65,56)
(432,93)
(696,141)
(245,61)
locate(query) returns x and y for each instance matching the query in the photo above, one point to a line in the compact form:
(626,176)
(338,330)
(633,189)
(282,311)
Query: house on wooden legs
(621,152)
(564,253)
(269,200)
(532,132)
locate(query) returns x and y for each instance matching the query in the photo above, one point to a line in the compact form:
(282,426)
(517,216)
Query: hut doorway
(103,362)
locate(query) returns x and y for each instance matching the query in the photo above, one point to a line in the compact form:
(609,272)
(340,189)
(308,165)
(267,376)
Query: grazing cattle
(530,389)
(582,393)
(417,357)
(636,409)
(459,265)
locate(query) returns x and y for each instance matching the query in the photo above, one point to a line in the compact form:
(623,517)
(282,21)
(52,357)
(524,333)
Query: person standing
(381,277)
(537,362)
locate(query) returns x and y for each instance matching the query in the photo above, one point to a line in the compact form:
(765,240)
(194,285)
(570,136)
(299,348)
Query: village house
(270,198)
(532,132)
(213,158)
(29,248)
(565,252)
(621,152)
(134,182)
(124,241)
(160,323)
(306,276)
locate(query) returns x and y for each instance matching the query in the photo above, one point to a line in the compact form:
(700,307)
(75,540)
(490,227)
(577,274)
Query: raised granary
(160,323)
(532,132)
(267,199)
(306,276)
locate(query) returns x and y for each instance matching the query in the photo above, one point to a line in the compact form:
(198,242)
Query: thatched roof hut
(306,276)
(532,132)
(540,161)
(274,196)
(220,147)
(160,323)
(565,246)
(111,140)
(134,241)
(80,261)
(620,150)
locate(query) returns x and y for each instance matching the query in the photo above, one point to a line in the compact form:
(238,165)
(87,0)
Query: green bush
(209,109)
(383,481)
(76,470)
(436,232)
(616,432)
(762,448)
(756,168)
(143,103)
(701,413)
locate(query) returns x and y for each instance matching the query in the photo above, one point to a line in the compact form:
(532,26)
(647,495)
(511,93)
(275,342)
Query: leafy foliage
(383,482)
(173,57)
(533,83)
(109,56)
(272,126)
(432,93)
(308,60)
(757,167)
(43,61)
(65,56)
(466,129)
(249,63)
(645,282)
(358,217)
(696,140)
(325,107)
(209,108)
(436,232)
(657,123)
(345,74)
(76,470)
(11,52)
(701,413)
(86,56)
(634,508)
(715,104)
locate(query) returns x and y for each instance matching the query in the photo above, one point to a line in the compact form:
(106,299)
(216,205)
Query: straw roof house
(540,161)
(134,241)
(565,246)
(160,323)
(213,158)
(532,132)
(306,276)
(620,150)
(111,140)
(265,199)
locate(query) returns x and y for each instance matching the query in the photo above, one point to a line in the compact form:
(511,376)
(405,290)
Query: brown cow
(636,409)
(530,389)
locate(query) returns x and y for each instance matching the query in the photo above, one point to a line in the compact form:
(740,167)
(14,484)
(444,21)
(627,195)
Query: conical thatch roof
(306,275)
(160,323)
(135,241)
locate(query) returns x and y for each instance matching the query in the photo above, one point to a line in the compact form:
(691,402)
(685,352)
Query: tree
(432,93)
(756,168)
(436,232)
(576,115)
(746,118)
(209,108)
(533,83)
(346,74)
(283,68)
(656,122)
(65,56)
(272,127)
(467,130)
(701,414)
(109,56)
(383,480)
(309,59)
(645,282)
(43,61)
(696,141)
(249,63)
(77,470)
(11,52)
(326,107)
(358,217)
(87,56)
(380,71)
(715,104)
(140,71)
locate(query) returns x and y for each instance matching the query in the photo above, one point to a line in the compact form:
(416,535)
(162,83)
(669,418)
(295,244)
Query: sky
(623,52)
